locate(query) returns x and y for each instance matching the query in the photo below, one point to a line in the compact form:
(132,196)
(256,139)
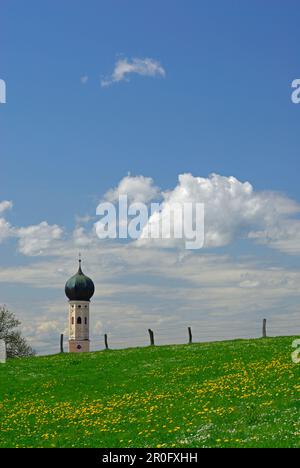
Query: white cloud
(232,210)
(5,205)
(47,327)
(137,188)
(5,227)
(83,219)
(283,236)
(124,68)
(81,237)
(84,79)
(33,240)
(218,296)
(141,288)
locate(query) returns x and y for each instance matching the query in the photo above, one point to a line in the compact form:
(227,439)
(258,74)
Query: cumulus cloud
(33,240)
(81,237)
(233,210)
(5,227)
(140,66)
(5,205)
(218,296)
(139,189)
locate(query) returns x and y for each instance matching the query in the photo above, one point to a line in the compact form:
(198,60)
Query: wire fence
(189,334)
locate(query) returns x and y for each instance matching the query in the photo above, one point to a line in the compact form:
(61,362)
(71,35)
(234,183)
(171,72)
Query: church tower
(79,289)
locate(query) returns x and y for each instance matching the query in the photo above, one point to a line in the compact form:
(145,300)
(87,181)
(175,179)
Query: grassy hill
(241,393)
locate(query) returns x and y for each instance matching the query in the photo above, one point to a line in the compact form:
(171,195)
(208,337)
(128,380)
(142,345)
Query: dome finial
(79,261)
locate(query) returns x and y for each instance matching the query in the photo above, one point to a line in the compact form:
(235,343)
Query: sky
(102,95)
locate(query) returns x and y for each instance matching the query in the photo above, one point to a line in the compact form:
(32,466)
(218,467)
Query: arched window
(85,320)
(79,320)
(72,320)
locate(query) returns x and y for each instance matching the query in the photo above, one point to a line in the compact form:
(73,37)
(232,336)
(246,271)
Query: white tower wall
(79,325)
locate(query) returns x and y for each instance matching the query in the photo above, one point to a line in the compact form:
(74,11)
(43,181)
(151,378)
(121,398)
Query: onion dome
(79,287)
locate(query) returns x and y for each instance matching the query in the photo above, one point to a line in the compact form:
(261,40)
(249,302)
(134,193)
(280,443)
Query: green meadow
(242,393)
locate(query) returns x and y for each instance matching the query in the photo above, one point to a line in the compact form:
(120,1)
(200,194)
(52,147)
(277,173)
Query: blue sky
(223,107)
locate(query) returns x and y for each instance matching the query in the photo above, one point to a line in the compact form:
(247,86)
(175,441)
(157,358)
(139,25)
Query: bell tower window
(79,320)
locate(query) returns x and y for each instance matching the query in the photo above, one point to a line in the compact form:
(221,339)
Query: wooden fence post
(62,343)
(151,334)
(264,330)
(190,335)
(105,341)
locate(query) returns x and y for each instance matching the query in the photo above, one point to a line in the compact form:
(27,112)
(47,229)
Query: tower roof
(79,287)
